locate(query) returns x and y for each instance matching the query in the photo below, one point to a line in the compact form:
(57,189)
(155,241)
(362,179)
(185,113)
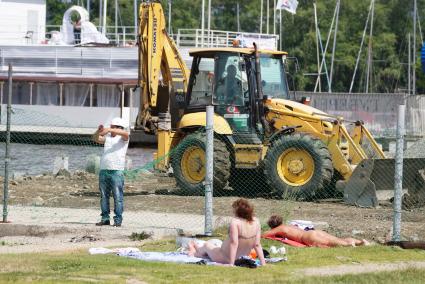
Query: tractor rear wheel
(298,166)
(188,162)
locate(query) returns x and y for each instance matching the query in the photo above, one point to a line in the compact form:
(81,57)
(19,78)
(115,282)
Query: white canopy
(89,33)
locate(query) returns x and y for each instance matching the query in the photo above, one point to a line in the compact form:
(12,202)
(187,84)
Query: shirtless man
(244,235)
(312,238)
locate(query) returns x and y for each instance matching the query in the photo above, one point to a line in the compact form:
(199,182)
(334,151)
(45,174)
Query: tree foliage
(392,23)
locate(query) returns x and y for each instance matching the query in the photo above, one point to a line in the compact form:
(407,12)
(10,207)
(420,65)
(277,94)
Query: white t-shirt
(114,152)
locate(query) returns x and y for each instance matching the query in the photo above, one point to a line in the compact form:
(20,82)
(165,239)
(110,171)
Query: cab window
(202,89)
(230,80)
(273,77)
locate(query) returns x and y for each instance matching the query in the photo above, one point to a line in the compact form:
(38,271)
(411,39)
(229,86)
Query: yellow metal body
(362,135)
(166,140)
(221,126)
(248,156)
(162,68)
(158,58)
(346,150)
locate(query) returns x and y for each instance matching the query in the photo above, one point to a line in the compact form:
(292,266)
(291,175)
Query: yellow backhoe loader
(296,149)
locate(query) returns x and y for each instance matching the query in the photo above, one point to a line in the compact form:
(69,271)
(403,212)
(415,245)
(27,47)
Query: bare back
(286,231)
(247,233)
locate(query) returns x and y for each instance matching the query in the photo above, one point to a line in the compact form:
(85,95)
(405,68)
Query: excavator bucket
(372,175)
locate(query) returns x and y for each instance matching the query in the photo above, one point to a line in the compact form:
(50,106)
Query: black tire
(314,150)
(222,164)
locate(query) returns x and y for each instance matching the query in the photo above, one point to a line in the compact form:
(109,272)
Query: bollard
(93,164)
(398,176)
(7,154)
(128,163)
(209,172)
(60,163)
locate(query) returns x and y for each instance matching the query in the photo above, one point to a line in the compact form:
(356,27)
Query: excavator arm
(163,75)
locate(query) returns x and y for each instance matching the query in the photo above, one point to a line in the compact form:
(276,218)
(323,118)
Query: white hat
(118,121)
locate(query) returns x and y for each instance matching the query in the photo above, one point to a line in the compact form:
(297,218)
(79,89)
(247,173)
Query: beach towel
(108,251)
(302,224)
(176,257)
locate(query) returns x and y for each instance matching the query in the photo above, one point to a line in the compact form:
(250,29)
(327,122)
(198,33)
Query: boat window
(46,94)
(273,77)
(20,93)
(76,94)
(107,96)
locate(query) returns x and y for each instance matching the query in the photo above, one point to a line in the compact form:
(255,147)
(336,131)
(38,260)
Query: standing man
(233,87)
(77,31)
(112,164)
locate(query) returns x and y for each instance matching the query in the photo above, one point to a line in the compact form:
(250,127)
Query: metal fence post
(209,173)
(398,177)
(7,154)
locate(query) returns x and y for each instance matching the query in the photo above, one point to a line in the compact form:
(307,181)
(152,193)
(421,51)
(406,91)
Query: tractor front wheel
(298,166)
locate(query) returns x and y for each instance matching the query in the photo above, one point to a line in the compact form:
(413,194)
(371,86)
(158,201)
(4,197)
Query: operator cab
(226,78)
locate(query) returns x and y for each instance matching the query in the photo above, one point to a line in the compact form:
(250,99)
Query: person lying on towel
(311,238)
(244,235)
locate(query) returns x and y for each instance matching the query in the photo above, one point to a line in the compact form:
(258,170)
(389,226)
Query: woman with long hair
(244,235)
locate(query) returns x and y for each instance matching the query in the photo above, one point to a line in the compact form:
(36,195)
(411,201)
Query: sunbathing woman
(244,235)
(312,238)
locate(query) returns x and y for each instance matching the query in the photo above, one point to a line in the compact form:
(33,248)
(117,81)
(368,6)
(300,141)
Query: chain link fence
(296,173)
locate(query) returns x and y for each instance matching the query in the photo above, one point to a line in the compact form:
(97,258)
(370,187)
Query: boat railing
(127,36)
(220,38)
(117,35)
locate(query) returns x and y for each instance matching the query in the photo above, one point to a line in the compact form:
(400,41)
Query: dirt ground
(155,193)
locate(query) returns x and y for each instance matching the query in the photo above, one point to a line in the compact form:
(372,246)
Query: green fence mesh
(293,175)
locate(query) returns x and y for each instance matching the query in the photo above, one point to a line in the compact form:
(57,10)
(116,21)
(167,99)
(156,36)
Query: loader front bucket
(372,175)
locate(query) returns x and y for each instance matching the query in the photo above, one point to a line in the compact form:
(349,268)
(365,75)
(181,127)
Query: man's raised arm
(98,136)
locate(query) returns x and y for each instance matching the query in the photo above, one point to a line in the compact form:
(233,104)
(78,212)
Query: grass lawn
(80,267)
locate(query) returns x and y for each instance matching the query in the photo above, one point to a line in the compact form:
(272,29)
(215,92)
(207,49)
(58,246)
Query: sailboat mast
(268,16)
(116,22)
(274,17)
(105,6)
(317,46)
(369,51)
(261,16)
(88,7)
(323,63)
(280,29)
(209,21)
(409,66)
(202,23)
(100,15)
(360,49)
(334,45)
(135,19)
(415,7)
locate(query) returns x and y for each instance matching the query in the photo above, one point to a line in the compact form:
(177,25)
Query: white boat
(71,89)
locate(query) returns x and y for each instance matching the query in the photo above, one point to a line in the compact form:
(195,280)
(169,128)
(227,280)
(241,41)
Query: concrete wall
(378,111)
(18,18)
